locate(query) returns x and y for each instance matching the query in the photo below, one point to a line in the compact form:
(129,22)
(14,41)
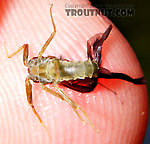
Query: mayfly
(81,76)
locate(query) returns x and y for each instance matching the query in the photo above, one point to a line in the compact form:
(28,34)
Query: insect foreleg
(51,36)
(25,48)
(30,101)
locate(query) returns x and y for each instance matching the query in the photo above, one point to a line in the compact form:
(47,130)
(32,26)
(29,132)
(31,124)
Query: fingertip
(115,121)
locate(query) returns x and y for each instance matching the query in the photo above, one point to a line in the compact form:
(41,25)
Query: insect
(81,76)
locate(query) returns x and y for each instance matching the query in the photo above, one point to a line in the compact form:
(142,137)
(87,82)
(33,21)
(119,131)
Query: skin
(120,119)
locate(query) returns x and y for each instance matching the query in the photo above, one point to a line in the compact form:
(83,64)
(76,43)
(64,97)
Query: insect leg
(25,53)
(67,99)
(30,101)
(51,36)
(59,96)
(51,91)
(75,106)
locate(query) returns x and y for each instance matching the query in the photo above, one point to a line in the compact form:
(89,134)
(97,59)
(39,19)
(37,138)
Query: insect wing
(81,85)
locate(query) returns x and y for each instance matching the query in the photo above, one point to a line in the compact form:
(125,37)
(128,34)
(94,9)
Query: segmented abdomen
(75,70)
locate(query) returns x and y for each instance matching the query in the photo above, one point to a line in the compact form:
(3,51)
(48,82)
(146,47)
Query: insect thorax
(44,70)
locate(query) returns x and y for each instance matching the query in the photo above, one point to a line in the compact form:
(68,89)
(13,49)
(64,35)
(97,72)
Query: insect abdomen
(75,70)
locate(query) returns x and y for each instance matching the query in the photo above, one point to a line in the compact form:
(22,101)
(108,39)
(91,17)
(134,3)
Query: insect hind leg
(75,107)
(61,97)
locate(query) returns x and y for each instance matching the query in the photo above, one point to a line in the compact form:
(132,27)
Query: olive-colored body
(44,70)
